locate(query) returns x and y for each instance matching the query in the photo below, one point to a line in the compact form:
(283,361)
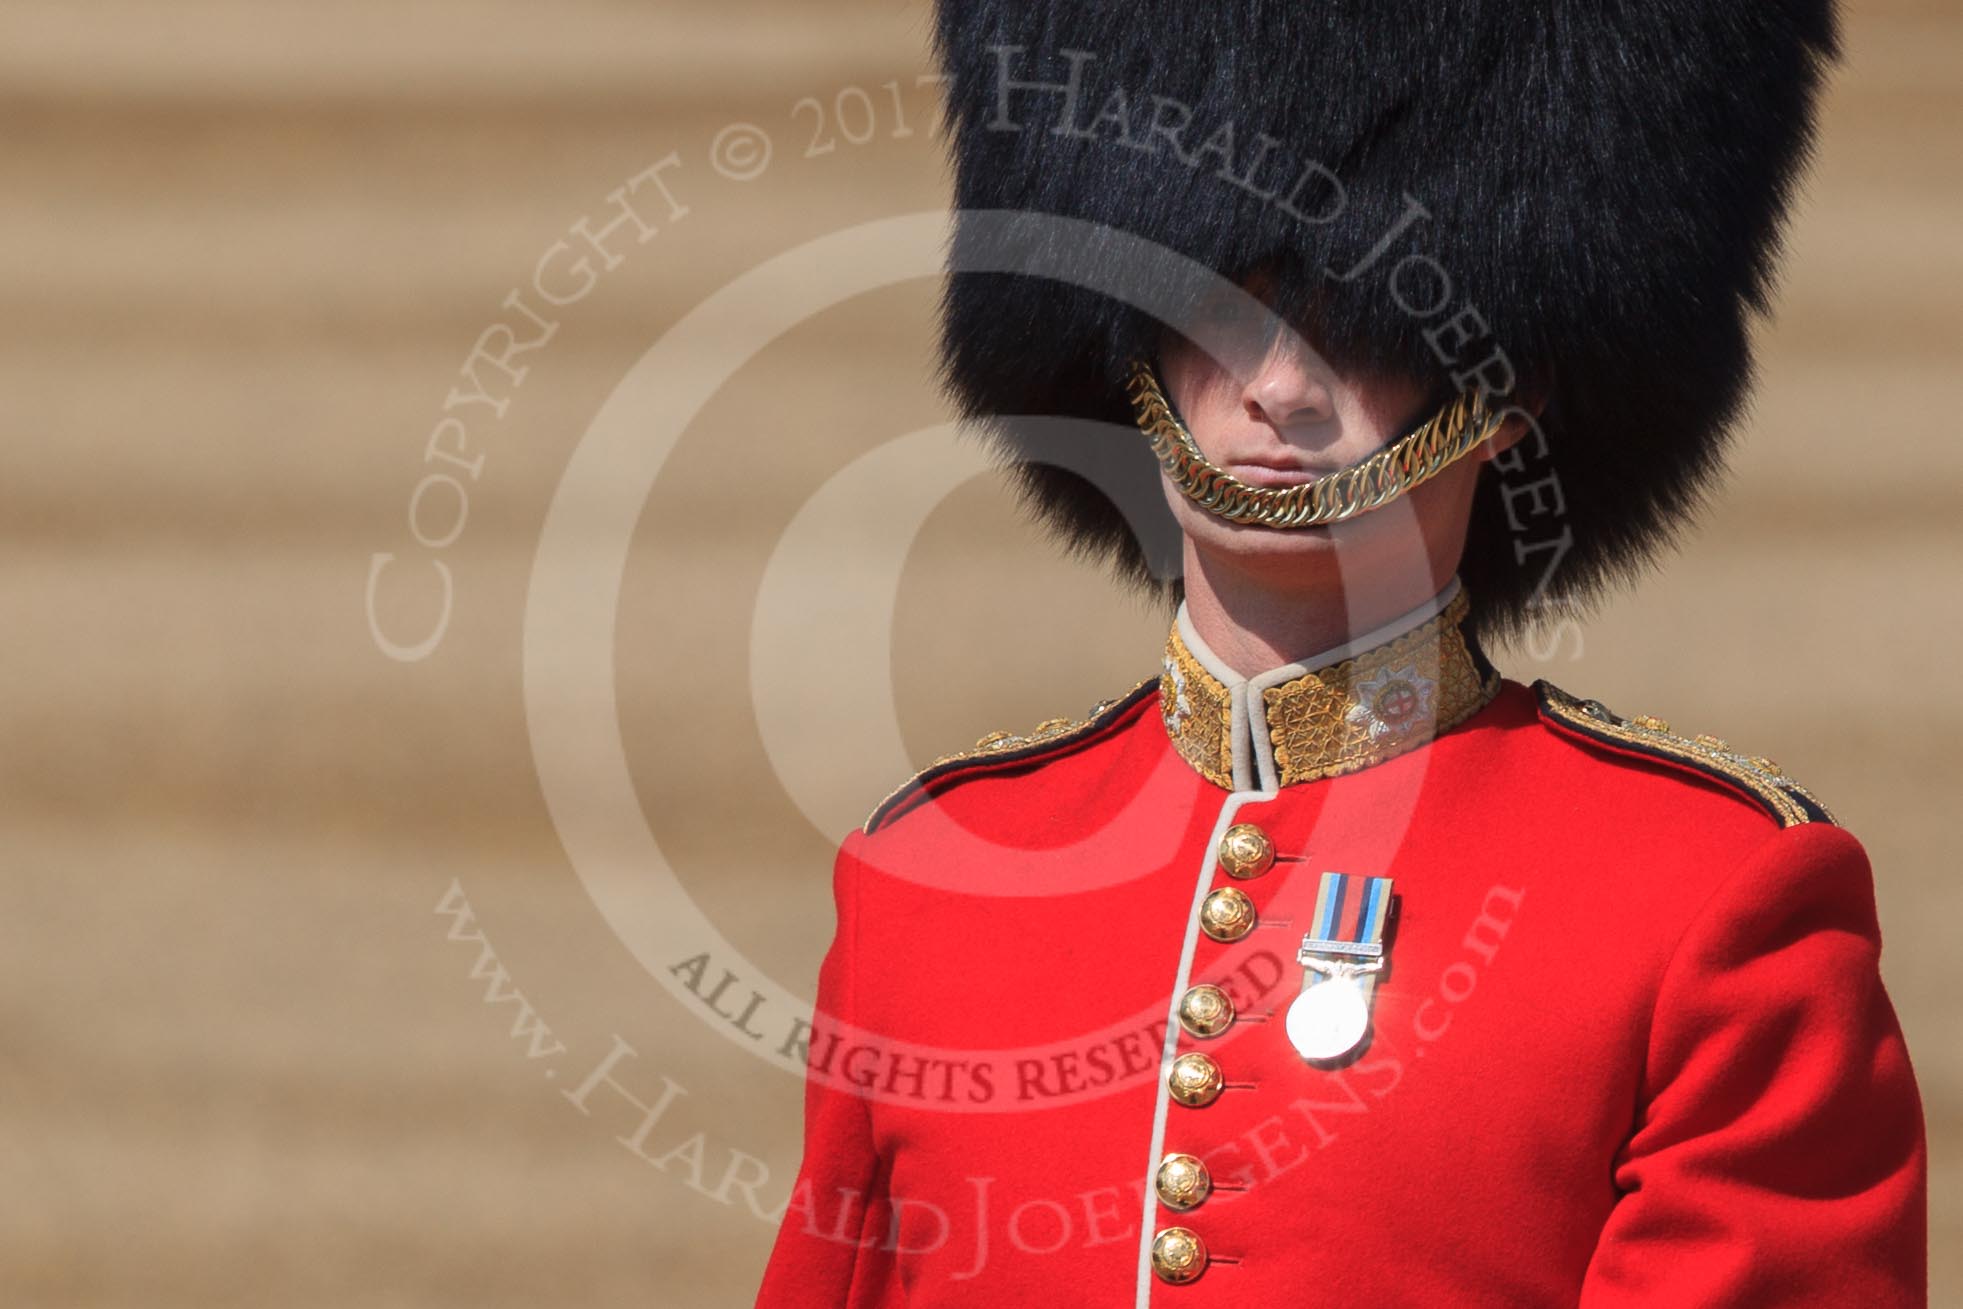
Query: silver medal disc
(1328,1019)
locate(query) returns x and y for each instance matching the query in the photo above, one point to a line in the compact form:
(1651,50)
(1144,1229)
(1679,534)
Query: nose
(1287,391)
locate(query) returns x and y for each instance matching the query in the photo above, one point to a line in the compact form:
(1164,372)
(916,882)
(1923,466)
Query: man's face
(1272,413)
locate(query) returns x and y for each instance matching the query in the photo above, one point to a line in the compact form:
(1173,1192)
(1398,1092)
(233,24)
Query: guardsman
(1327,964)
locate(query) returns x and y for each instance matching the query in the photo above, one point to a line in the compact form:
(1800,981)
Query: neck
(1252,624)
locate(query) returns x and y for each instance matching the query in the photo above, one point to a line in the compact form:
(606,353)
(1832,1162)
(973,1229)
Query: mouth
(1273,474)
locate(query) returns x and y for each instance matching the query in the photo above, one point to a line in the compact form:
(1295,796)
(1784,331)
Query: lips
(1256,473)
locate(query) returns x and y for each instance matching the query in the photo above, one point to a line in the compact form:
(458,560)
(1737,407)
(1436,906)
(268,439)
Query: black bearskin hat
(1592,191)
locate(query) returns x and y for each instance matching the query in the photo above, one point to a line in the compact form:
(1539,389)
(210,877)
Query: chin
(1252,541)
(1373,549)
(1286,559)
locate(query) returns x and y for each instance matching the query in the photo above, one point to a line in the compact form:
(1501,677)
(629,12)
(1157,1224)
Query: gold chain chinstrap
(1454,431)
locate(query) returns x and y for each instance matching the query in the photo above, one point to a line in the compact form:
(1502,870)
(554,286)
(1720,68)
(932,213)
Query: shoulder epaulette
(999,749)
(1753,776)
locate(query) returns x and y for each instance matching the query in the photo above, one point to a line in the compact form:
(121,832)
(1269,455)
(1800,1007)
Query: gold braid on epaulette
(1008,746)
(1788,801)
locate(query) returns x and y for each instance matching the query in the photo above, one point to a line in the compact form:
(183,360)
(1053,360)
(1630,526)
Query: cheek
(1444,504)
(1202,393)
(1386,410)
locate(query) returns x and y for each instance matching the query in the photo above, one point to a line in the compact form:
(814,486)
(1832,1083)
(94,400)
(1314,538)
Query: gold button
(1206,1011)
(1227,914)
(1178,1255)
(1195,1080)
(1246,851)
(1183,1181)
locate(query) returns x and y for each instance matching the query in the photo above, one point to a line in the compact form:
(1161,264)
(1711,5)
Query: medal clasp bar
(1313,948)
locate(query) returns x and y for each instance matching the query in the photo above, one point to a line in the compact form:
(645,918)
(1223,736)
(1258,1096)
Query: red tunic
(1632,1046)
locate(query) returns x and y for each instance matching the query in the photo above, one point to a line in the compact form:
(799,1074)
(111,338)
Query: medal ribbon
(1348,924)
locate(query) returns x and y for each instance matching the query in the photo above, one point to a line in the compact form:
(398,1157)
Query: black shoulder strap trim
(1000,748)
(1752,776)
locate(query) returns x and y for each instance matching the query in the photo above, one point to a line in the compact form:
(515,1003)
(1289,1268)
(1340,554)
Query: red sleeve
(1779,1155)
(830,1248)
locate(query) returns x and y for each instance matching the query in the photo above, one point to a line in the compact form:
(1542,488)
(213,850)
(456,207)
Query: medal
(1340,959)
(1328,1020)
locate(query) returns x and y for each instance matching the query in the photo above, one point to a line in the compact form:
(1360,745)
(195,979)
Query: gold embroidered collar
(1301,724)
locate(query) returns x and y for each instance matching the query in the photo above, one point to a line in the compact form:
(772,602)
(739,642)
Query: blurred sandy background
(245,249)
